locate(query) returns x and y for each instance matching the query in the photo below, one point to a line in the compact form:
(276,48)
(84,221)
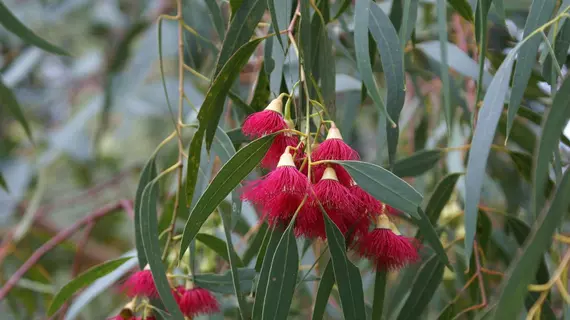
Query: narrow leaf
(217,18)
(265,258)
(282,278)
(217,245)
(440,196)
(393,64)
(481,145)
(540,12)
(554,122)
(224,283)
(423,289)
(417,164)
(481,13)
(323,292)
(522,269)
(213,104)
(229,176)
(361,45)
(3,183)
(346,274)
(427,231)
(255,244)
(12,24)
(9,100)
(444,74)
(83,280)
(147,175)
(379,294)
(384,186)
(409,16)
(280,11)
(463,8)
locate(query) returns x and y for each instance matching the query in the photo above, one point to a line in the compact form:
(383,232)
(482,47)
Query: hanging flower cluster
(191,301)
(304,183)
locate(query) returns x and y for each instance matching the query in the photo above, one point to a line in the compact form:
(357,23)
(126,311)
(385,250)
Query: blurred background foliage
(97,114)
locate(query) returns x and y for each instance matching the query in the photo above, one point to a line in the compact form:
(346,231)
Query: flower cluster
(302,191)
(191,301)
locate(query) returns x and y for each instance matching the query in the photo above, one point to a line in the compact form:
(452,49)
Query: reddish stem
(53,242)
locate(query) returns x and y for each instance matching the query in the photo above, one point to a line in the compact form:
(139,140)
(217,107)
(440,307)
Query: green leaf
(9,100)
(3,183)
(463,8)
(423,289)
(379,294)
(393,64)
(234,260)
(441,6)
(361,46)
(409,15)
(218,245)
(264,260)
(440,196)
(522,269)
(427,231)
(561,46)
(241,29)
(481,145)
(213,104)
(12,24)
(280,18)
(147,175)
(262,92)
(384,186)
(217,18)
(223,283)
(418,163)
(83,280)
(554,122)
(323,292)
(255,244)
(346,273)
(540,12)
(481,13)
(282,278)
(229,177)
(148,226)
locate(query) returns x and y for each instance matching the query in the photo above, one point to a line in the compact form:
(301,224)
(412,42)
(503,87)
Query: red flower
(334,148)
(280,192)
(265,122)
(335,199)
(280,143)
(387,250)
(140,283)
(195,301)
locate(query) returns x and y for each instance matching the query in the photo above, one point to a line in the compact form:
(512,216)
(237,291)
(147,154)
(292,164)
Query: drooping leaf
(282,277)
(323,292)
(463,8)
(223,283)
(540,12)
(3,183)
(481,13)
(427,231)
(553,124)
(561,46)
(264,260)
(147,175)
(444,74)
(83,280)
(9,100)
(149,230)
(384,186)
(440,196)
(217,18)
(379,294)
(280,11)
(241,29)
(417,164)
(393,64)
(12,24)
(255,245)
(481,145)
(522,269)
(213,104)
(409,16)
(346,274)
(229,176)
(425,284)
(217,245)
(361,45)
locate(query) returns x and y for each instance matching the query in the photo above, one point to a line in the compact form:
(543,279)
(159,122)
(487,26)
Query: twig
(479,275)
(53,242)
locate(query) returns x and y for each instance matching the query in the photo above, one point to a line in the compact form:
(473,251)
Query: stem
(181,96)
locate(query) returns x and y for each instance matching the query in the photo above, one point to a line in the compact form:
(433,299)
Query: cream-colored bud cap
(383,222)
(286,159)
(329,174)
(334,133)
(275,105)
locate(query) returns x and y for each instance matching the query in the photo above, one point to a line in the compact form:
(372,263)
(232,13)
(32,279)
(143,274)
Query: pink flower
(280,192)
(140,283)
(195,301)
(334,148)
